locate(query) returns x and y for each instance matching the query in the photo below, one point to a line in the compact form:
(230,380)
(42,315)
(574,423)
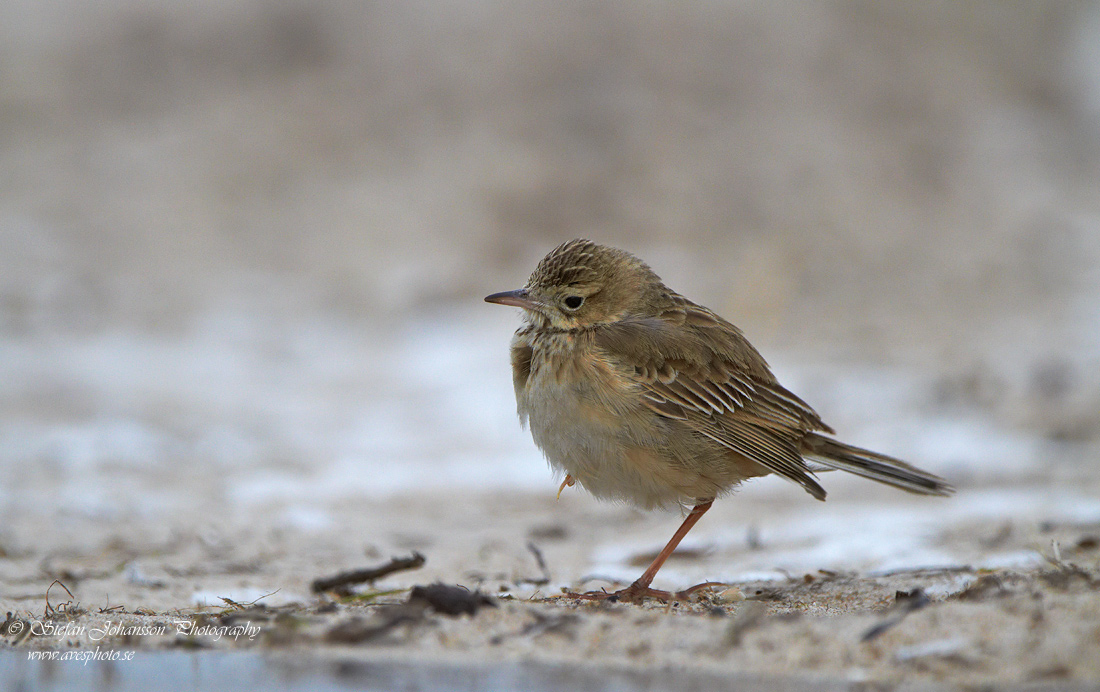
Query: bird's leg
(693,516)
(640,588)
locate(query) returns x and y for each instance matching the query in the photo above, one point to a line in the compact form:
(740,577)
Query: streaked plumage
(641,395)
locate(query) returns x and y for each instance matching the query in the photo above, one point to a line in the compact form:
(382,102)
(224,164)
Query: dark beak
(517,298)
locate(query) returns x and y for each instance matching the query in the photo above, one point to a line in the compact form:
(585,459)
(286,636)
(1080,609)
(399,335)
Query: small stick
(242,606)
(904,604)
(345,579)
(50,610)
(545,579)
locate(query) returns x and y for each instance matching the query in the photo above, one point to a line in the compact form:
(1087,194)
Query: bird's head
(581,284)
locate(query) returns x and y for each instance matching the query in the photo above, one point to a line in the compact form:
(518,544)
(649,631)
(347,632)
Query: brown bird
(642,396)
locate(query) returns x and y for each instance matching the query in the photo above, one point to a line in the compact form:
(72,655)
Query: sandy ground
(243,247)
(1036,622)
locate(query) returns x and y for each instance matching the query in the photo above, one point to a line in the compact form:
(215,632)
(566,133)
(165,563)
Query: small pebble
(731,595)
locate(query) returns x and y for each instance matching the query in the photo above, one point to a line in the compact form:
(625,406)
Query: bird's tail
(878,467)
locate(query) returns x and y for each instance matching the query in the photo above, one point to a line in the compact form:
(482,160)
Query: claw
(569,481)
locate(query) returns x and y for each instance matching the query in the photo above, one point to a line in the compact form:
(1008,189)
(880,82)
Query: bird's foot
(569,481)
(636,593)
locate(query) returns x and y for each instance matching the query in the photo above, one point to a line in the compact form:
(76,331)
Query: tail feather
(877,467)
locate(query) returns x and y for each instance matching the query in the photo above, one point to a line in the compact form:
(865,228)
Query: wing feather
(695,367)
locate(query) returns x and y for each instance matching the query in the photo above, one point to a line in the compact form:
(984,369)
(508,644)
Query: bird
(640,395)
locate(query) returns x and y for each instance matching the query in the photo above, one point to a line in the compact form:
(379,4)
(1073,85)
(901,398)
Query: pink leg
(640,588)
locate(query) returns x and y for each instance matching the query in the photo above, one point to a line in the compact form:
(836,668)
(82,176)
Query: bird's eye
(573,302)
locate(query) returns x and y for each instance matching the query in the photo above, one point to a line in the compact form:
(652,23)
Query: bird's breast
(588,418)
(571,385)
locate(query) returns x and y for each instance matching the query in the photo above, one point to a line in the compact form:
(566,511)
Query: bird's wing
(695,367)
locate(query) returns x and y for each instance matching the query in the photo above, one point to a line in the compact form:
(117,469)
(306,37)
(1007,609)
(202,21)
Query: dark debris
(450,600)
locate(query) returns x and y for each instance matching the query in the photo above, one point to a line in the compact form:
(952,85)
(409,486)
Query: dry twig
(340,582)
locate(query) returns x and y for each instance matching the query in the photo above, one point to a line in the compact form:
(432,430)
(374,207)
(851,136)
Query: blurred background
(243,244)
